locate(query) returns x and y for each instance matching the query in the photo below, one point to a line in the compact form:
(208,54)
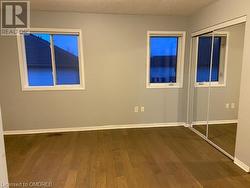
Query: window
(218,69)
(51,60)
(165,59)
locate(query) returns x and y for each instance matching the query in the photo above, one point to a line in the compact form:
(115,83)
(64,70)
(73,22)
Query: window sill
(206,85)
(53,88)
(164,86)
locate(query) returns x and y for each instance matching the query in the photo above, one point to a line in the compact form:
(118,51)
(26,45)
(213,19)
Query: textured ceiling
(151,7)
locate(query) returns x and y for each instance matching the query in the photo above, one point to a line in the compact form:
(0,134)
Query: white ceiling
(151,7)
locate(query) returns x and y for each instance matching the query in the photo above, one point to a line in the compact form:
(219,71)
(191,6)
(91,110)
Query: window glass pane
(204,56)
(163,59)
(216,59)
(38,58)
(66,59)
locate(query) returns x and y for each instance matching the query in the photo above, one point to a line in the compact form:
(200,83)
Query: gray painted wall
(223,10)
(114,48)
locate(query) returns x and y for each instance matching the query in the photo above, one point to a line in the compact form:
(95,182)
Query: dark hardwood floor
(130,158)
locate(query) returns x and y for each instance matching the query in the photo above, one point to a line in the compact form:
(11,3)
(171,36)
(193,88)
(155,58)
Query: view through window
(52,59)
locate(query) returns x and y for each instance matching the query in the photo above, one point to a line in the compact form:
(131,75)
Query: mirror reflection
(225,86)
(215,85)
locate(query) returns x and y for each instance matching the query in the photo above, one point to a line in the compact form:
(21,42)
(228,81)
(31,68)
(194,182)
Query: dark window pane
(216,59)
(38,56)
(204,57)
(66,59)
(163,59)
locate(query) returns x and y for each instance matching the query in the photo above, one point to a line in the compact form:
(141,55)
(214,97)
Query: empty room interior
(125,93)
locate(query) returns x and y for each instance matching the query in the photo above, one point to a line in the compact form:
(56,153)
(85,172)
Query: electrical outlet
(233,105)
(142,109)
(227,105)
(136,109)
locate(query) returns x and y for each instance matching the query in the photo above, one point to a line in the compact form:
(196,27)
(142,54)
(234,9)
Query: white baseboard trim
(187,125)
(241,165)
(93,128)
(215,122)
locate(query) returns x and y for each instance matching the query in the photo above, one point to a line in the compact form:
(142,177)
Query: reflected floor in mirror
(223,135)
(201,128)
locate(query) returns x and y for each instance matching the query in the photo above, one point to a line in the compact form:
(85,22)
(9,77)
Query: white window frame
(180,58)
(222,56)
(23,61)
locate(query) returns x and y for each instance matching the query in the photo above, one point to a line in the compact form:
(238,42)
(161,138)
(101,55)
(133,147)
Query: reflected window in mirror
(211,48)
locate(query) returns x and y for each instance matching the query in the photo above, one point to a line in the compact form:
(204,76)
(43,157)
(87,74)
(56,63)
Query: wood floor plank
(71,179)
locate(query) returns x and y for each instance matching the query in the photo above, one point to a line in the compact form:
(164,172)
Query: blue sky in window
(163,46)
(66,42)
(42,36)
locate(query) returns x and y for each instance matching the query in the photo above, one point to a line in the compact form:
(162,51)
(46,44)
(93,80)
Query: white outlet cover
(227,105)
(136,109)
(233,105)
(142,109)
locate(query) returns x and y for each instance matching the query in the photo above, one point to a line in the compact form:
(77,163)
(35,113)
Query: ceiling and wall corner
(137,7)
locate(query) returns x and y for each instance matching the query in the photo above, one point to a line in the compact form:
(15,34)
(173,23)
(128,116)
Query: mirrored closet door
(215,76)
(225,87)
(201,55)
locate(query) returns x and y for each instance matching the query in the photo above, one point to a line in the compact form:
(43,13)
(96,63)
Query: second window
(165,59)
